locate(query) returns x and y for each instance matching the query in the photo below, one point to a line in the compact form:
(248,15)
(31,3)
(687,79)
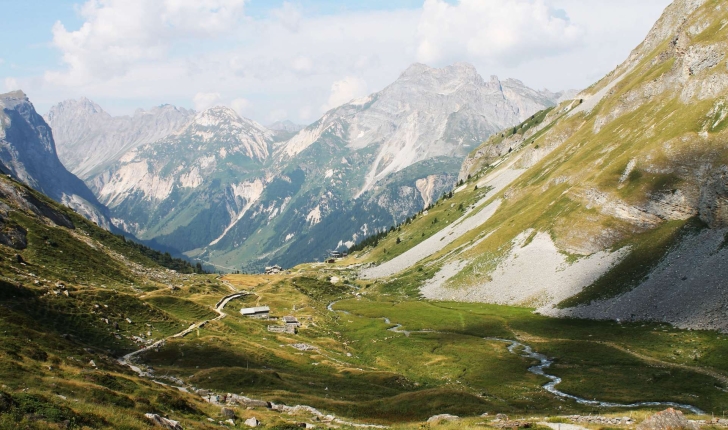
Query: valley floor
(364,356)
(382,359)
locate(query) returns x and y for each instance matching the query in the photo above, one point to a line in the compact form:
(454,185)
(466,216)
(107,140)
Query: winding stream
(545,362)
(539,369)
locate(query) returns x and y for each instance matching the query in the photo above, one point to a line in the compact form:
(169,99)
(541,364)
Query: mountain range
(237,195)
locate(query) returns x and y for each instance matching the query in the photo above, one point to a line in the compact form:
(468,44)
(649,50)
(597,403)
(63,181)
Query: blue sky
(278,59)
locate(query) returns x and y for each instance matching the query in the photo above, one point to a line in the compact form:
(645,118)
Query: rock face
(426,113)
(669,419)
(28,153)
(228,191)
(89,140)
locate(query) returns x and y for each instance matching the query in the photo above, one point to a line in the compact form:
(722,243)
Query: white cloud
(2,61)
(240,105)
(344,91)
(118,34)
(11,84)
(204,101)
(128,54)
(494,31)
(305,114)
(277,115)
(289,15)
(302,64)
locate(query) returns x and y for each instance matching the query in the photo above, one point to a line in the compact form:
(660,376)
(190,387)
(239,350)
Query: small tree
(399,241)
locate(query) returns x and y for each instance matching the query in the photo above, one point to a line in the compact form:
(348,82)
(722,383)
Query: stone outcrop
(669,419)
(437,419)
(165,423)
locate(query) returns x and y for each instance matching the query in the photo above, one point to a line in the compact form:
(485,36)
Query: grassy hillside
(622,175)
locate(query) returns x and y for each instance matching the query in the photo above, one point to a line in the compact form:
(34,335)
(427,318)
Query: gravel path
(498,181)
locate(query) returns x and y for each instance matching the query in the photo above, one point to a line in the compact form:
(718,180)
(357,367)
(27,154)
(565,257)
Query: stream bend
(539,369)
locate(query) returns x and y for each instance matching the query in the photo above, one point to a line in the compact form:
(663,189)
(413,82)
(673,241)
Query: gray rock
(442,417)
(227,413)
(164,422)
(669,419)
(252,422)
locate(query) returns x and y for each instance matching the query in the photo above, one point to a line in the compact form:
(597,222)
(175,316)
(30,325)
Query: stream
(545,363)
(539,369)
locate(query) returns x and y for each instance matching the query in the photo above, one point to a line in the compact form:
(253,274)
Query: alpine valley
(229,192)
(517,259)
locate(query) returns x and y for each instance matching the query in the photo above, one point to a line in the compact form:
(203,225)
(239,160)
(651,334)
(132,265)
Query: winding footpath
(127,359)
(219,307)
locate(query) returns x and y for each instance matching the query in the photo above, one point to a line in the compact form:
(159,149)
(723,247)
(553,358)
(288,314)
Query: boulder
(252,422)
(669,419)
(164,422)
(227,413)
(435,419)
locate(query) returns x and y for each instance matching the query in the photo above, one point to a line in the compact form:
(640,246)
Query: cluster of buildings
(290,323)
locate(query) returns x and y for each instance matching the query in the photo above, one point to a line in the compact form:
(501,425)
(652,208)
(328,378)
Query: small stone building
(256,312)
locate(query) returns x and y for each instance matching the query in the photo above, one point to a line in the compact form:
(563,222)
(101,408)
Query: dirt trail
(127,359)
(657,362)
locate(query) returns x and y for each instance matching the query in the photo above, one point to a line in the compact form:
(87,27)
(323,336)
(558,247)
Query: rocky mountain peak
(17,96)
(28,152)
(89,139)
(227,125)
(439,79)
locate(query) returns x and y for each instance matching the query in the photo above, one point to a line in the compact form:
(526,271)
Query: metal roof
(255,310)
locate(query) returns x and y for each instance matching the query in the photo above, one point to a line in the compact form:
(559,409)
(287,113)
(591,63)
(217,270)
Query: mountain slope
(610,206)
(426,113)
(28,151)
(193,179)
(89,140)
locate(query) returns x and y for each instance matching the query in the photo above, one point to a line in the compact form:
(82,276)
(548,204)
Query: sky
(273,60)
